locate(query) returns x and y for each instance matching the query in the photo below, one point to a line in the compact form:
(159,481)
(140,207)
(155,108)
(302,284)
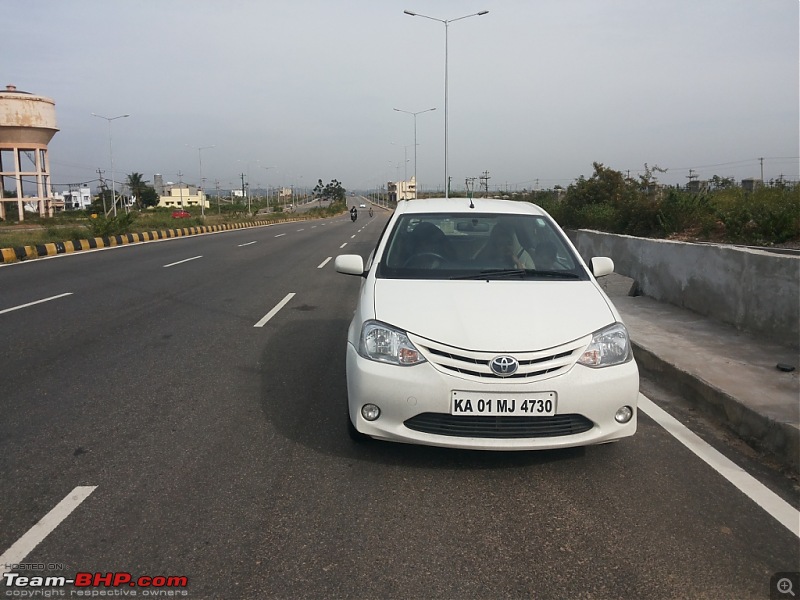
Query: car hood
(493,316)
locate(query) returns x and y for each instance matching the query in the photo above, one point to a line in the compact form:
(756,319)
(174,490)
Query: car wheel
(355,434)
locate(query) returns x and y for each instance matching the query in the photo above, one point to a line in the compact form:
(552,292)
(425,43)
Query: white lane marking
(314,226)
(352,236)
(247,244)
(343,245)
(5,310)
(183,261)
(324,262)
(275,310)
(301,230)
(779,509)
(280,235)
(34,536)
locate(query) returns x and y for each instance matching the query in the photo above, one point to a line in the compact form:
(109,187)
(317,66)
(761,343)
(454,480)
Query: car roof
(462,205)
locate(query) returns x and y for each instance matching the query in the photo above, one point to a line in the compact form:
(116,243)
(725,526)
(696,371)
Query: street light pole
(269,197)
(446,25)
(200,156)
(111,153)
(414,114)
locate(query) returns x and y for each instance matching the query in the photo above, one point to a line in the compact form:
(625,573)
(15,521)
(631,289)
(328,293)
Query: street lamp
(111,152)
(200,156)
(269,196)
(446,24)
(414,114)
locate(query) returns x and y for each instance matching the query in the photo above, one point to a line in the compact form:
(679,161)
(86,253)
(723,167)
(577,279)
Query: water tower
(27,124)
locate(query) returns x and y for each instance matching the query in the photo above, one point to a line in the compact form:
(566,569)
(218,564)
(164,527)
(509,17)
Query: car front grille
(533,365)
(499,427)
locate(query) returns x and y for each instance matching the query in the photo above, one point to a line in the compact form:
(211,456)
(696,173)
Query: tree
(332,191)
(136,184)
(149,197)
(721,183)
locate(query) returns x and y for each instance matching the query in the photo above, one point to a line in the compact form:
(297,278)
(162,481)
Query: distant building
(697,185)
(751,184)
(181,196)
(402,190)
(75,199)
(158,184)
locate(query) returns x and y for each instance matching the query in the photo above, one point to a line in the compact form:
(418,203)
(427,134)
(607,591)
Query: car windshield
(478,246)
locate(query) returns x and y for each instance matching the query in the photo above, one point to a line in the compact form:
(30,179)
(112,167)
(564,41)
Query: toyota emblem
(504,366)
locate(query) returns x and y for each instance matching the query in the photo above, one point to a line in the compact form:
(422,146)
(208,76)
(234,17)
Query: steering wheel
(425,260)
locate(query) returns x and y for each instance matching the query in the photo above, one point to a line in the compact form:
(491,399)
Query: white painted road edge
(34,536)
(778,508)
(5,310)
(275,310)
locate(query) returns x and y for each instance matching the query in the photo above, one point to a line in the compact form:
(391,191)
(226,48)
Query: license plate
(539,404)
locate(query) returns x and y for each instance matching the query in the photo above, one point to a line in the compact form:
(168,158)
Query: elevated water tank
(27,124)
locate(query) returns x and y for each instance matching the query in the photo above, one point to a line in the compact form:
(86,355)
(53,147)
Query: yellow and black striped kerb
(51,249)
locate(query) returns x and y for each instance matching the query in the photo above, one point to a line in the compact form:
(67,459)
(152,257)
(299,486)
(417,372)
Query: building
(751,184)
(27,124)
(75,199)
(181,195)
(697,186)
(402,190)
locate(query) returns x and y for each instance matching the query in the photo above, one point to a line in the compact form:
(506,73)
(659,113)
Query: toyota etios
(479,326)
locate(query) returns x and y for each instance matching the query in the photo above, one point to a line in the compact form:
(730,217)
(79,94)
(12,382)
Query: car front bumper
(403,393)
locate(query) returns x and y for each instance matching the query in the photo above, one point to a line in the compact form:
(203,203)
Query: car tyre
(355,434)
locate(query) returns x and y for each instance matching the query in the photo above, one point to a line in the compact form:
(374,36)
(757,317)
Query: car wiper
(494,274)
(554,274)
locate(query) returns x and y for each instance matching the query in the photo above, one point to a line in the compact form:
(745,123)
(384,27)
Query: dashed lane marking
(34,536)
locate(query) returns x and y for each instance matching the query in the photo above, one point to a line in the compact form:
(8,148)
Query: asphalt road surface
(177,409)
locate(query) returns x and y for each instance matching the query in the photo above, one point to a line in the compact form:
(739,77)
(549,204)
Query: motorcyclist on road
(370,211)
(354,213)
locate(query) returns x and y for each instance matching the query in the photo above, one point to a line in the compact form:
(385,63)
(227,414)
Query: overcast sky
(538,89)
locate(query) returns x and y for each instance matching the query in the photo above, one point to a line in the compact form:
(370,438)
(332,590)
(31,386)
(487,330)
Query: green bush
(682,211)
(103,226)
(775,214)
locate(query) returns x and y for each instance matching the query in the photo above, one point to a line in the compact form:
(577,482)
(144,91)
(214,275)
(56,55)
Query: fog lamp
(623,415)
(370,412)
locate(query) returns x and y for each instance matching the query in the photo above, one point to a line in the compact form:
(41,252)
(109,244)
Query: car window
(445,246)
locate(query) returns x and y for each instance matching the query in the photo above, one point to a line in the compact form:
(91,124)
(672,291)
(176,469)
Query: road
(185,434)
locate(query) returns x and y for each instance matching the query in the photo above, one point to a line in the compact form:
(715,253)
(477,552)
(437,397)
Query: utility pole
(216,185)
(180,188)
(243,187)
(103,191)
(485,182)
(762,169)
(469,183)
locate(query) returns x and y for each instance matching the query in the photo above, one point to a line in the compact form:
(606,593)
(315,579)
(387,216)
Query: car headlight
(610,346)
(387,344)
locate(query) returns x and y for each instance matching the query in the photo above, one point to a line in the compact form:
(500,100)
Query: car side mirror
(349,264)
(602,265)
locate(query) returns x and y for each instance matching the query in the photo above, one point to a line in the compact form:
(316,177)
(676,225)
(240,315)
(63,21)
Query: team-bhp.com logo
(87,581)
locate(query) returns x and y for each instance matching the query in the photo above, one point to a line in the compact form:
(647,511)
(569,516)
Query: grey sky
(538,89)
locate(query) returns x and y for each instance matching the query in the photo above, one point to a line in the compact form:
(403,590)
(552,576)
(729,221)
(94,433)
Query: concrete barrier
(753,290)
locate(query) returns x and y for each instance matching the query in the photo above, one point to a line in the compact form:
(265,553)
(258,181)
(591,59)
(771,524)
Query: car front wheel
(355,434)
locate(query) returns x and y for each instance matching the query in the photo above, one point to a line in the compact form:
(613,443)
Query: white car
(479,326)
(362,205)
